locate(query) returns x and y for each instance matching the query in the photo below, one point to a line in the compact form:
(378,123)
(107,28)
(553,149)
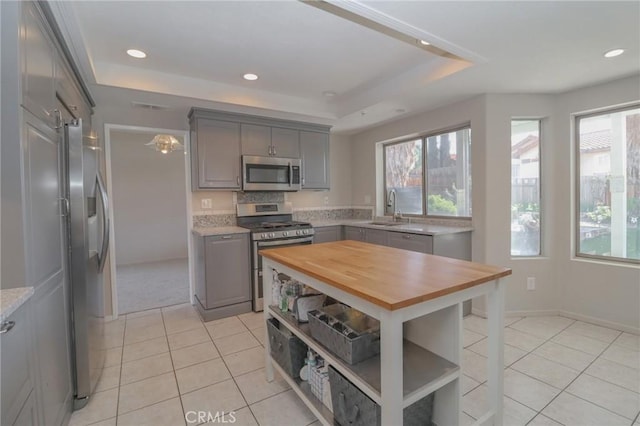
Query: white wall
(599,291)
(603,290)
(363,155)
(149,200)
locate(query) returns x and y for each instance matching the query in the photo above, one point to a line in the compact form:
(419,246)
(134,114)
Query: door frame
(187,172)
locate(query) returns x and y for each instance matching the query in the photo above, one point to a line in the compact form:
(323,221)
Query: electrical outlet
(206,203)
(531,283)
(326,200)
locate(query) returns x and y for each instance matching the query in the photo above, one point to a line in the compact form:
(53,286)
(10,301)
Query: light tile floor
(164,363)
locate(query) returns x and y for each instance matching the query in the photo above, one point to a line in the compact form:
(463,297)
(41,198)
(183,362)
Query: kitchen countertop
(11,299)
(388,277)
(412,228)
(219,230)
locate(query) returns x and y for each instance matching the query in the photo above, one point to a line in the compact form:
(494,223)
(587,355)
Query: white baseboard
(600,322)
(567,314)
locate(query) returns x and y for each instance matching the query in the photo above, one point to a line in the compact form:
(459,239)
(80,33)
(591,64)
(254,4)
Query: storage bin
(319,383)
(354,346)
(351,407)
(288,351)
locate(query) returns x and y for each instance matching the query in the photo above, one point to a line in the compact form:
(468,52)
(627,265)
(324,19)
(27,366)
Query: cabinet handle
(227,237)
(58,117)
(238,180)
(270,149)
(302,181)
(273,149)
(6,326)
(406,237)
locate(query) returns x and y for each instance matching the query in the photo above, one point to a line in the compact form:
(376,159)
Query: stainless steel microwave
(270,173)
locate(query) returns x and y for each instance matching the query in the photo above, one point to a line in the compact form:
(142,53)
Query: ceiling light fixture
(328,94)
(250,77)
(135,53)
(613,53)
(165,144)
(425,43)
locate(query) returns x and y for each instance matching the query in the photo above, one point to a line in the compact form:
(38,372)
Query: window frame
(540,193)
(576,202)
(425,181)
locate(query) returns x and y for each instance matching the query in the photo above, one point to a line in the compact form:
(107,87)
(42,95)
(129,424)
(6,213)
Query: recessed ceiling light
(613,53)
(425,43)
(328,94)
(401,110)
(250,77)
(136,53)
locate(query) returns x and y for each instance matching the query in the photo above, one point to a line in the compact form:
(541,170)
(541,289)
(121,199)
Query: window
(525,188)
(608,185)
(443,187)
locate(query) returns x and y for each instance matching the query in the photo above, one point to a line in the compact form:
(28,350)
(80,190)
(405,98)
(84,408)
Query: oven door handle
(262,244)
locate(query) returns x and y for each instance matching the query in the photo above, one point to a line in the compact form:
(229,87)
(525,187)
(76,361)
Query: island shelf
(418,300)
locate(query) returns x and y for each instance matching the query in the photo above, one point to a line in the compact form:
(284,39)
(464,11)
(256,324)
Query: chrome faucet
(397,215)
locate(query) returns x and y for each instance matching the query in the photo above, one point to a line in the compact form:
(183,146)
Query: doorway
(151,219)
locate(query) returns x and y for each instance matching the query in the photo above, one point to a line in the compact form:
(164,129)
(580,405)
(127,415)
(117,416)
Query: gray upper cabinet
(314,150)
(285,142)
(267,141)
(255,139)
(38,65)
(260,136)
(215,154)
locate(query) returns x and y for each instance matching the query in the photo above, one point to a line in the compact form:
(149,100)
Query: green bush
(439,205)
(601,214)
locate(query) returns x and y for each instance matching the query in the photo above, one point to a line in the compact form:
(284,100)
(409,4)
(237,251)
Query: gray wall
(149,200)
(605,292)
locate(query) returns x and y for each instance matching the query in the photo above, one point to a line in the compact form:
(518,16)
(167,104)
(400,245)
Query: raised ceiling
(198,52)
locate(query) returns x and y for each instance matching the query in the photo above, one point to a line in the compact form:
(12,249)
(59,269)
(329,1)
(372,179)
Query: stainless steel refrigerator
(88,237)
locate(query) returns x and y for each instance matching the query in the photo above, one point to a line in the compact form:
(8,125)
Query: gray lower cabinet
(376,236)
(354,233)
(314,152)
(327,234)
(17,366)
(215,154)
(223,280)
(412,242)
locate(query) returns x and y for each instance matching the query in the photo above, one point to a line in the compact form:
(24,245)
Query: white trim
(566,314)
(600,322)
(187,171)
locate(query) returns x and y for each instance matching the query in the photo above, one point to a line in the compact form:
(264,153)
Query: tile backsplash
(260,197)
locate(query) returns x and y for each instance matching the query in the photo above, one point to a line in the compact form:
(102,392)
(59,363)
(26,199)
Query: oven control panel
(276,235)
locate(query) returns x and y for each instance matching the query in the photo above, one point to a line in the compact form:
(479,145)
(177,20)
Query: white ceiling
(198,52)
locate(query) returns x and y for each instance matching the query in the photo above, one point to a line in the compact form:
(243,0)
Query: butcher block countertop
(388,277)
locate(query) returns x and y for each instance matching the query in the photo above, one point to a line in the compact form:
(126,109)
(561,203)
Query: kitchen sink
(387,223)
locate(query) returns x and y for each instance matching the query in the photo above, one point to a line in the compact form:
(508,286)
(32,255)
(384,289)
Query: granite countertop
(219,230)
(410,228)
(12,298)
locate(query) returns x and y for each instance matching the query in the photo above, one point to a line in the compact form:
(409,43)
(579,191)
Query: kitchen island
(418,300)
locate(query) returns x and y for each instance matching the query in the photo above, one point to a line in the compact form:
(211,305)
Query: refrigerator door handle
(105,221)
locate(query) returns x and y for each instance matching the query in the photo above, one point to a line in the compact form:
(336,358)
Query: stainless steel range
(271,225)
